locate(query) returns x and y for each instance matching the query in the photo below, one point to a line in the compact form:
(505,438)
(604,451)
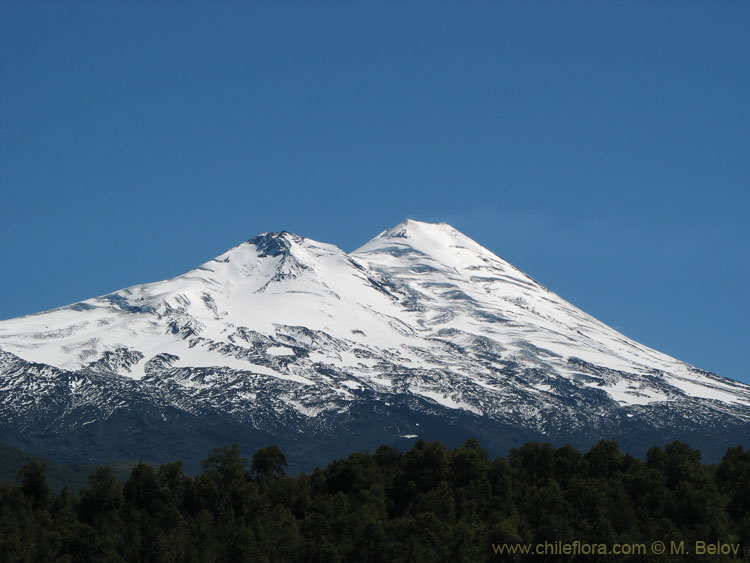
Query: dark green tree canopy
(429,504)
(269,462)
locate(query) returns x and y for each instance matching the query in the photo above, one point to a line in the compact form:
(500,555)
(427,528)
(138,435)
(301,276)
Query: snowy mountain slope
(457,285)
(288,339)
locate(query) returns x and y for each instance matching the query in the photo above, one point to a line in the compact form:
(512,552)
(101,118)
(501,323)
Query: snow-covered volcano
(420,332)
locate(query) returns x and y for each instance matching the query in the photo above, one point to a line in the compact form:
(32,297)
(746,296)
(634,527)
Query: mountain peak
(435,242)
(411,228)
(275,243)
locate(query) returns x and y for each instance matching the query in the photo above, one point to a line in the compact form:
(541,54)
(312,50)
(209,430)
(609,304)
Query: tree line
(427,504)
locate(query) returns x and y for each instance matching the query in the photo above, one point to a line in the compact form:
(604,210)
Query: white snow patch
(631,394)
(707,391)
(280,351)
(381,381)
(310,412)
(444,399)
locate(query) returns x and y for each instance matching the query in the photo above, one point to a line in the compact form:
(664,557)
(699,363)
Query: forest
(428,504)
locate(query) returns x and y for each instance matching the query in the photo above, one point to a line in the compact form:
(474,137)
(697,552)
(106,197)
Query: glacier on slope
(288,339)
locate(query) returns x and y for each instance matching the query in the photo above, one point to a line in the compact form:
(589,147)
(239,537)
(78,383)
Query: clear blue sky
(602,147)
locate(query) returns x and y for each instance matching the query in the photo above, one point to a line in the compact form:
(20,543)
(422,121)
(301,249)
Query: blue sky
(602,147)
